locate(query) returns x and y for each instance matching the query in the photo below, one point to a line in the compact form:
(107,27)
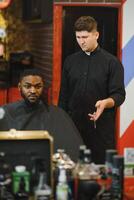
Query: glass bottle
(86,167)
(62,186)
(80,161)
(87,184)
(43,190)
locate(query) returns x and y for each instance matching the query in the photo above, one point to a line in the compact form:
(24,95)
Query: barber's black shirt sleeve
(116,82)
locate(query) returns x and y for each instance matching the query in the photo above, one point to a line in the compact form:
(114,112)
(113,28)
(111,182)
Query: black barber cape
(21,116)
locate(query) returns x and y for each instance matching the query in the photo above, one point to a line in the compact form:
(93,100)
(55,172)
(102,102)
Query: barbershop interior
(66,100)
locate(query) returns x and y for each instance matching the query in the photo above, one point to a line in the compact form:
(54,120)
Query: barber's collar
(88,53)
(93,52)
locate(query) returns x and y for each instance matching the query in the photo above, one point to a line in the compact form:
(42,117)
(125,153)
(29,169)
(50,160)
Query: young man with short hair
(92,88)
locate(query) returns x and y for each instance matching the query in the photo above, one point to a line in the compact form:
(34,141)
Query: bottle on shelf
(80,161)
(62,161)
(109,160)
(78,167)
(81,153)
(17,176)
(86,170)
(105,183)
(22,194)
(87,184)
(5,194)
(5,179)
(87,156)
(117,186)
(105,193)
(43,190)
(62,188)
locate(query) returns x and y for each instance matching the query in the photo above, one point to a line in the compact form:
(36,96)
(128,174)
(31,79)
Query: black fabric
(20,116)
(85,80)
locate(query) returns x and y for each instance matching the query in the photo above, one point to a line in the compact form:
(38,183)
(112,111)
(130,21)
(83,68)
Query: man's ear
(97,35)
(19,86)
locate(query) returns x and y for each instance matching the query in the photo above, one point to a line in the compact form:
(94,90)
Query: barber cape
(21,116)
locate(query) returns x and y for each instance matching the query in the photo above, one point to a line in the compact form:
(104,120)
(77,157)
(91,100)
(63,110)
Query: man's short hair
(85,23)
(33,72)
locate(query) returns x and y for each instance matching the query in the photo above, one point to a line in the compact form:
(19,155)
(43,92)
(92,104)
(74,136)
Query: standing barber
(92,88)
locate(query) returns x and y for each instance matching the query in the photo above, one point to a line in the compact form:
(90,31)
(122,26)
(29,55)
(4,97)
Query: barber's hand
(100,106)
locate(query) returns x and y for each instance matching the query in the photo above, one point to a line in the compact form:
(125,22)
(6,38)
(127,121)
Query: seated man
(32,113)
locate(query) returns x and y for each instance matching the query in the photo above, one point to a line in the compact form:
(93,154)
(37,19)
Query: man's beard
(28,102)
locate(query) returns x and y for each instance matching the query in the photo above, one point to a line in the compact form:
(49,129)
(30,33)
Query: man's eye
(27,86)
(35,86)
(38,86)
(85,37)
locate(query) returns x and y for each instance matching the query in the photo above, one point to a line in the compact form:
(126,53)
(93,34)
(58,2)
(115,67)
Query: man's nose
(32,89)
(82,41)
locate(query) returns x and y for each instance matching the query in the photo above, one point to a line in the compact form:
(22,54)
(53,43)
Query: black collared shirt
(85,80)
(88,78)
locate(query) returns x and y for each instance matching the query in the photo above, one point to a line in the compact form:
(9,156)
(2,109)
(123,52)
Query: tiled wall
(41,48)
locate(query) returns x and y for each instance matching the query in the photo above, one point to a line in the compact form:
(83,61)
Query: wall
(41,47)
(17,32)
(127,109)
(35,37)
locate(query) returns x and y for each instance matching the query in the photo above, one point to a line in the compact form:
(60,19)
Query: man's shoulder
(56,109)
(13,105)
(75,55)
(73,60)
(108,55)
